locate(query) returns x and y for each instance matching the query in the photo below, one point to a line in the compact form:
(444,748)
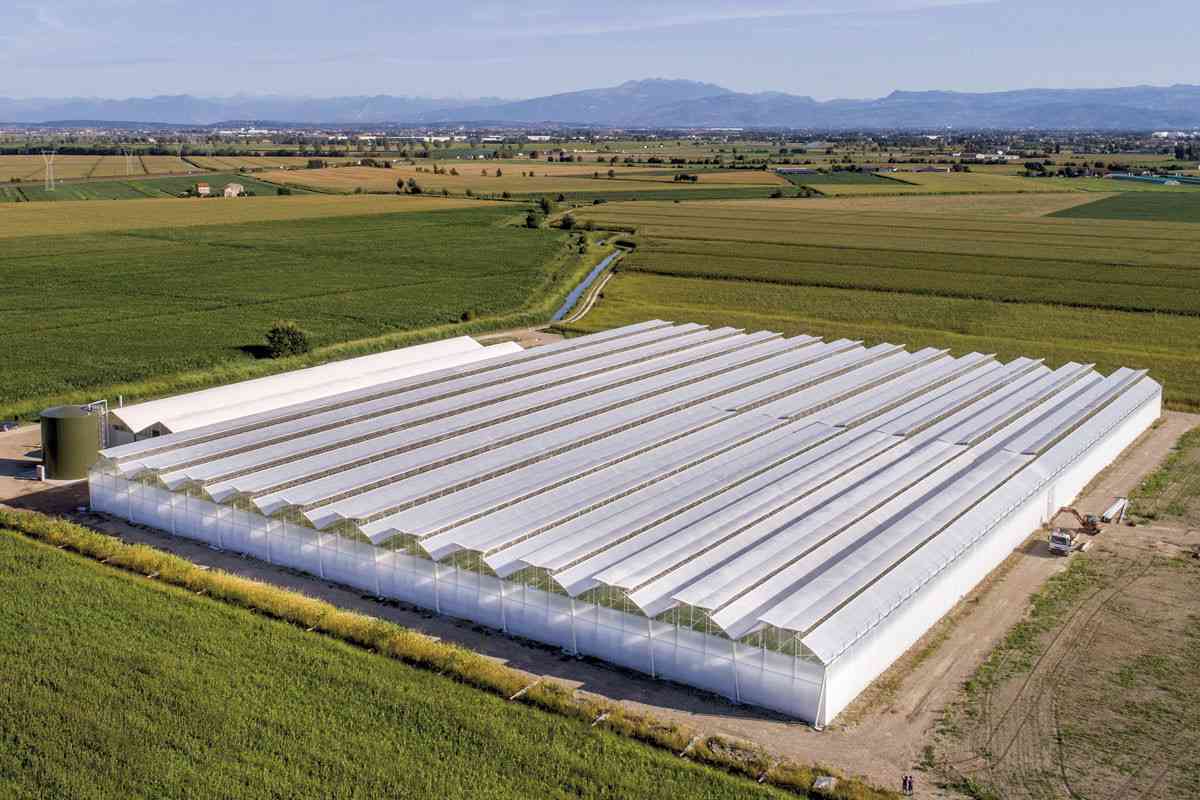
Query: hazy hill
(666,103)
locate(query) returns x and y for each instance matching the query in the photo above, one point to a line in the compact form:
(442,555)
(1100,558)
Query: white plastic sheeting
(775,519)
(197,409)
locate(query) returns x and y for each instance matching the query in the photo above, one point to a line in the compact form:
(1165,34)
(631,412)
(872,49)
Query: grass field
(1114,293)
(123,688)
(1149,206)
(138,188)
(85,311)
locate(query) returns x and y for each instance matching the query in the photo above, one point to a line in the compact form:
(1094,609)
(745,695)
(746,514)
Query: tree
(532,220)
(413,187)
(612,173)
(286,338)
(499,172)
(545,205)
(567,223)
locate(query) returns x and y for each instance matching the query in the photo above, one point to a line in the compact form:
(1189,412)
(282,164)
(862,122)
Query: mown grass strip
(425,652)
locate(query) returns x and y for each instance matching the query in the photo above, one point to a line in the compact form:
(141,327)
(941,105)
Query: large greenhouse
(774,519)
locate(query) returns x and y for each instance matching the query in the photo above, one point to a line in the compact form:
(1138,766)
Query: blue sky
(836,48)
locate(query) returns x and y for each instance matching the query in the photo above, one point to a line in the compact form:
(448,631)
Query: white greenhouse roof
(197,409)
(803,485)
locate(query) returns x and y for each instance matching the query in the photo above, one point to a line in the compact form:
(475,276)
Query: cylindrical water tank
(70,442)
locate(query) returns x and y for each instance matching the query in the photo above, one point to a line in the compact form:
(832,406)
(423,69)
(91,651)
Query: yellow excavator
(1063,540)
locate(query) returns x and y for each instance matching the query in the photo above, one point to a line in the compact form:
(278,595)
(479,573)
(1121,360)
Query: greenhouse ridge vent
(776,519)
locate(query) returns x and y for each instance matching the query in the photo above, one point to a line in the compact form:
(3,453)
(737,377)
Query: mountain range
(659,103)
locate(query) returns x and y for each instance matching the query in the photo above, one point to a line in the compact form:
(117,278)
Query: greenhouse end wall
(867,658)
(740,672)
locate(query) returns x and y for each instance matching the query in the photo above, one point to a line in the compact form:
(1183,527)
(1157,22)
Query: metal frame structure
(774,519)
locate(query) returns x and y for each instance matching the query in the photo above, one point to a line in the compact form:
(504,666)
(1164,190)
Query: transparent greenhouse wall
(867,658)
(744,673)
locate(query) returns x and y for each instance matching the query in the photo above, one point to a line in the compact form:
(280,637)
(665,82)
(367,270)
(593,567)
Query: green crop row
(1170,290)
(90,311)
(1153,206)
(1163,343)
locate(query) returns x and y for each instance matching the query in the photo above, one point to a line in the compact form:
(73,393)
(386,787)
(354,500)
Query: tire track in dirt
(1073,636)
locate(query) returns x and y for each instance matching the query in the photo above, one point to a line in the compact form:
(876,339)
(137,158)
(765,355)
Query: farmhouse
(774,519)
(234,190)
(203,189)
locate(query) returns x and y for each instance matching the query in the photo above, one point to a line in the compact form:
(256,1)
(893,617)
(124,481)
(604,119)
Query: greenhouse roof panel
(805,485)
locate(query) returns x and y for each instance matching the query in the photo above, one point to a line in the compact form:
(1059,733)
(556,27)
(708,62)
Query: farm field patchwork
(472,177)
(85,311)
(834,178)
(1150,206)
(1114,293)
(183,696)
(28,219)
(71,167)
(1164,344)
(139,188)
(228,162)
(944,182)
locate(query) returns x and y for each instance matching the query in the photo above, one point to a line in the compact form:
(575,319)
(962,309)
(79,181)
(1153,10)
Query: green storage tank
(70,442)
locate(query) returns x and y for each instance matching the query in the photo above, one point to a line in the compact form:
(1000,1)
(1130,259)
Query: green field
(135,188)
(705,193)
(1113,293)
(82,312)
(124,688)
(1149,206)
(834,178)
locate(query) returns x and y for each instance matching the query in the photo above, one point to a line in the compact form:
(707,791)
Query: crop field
(233,162)
(734,177)
(534,181)
(948,183)
(1149,206)
(994,205)
(68,167)
(17,220)
(137,188)
(1110,292)
(821,179)
(178,695)
(33,167)
(88,310)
